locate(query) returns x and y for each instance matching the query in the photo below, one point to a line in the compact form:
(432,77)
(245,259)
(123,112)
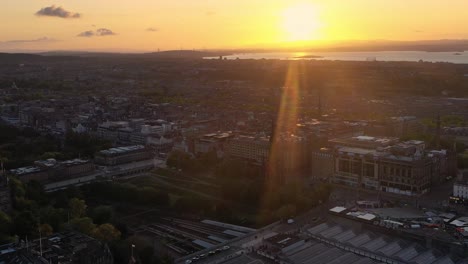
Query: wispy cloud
(43,39)
(152,29)
(57,11)
(101,32)
(16,44)
(88,34)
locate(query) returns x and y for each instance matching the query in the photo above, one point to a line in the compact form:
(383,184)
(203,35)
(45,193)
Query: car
(211,253)
(188,261)
(202,256)
(226,247)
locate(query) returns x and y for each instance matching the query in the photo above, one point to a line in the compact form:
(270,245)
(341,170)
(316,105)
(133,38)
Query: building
(112,131)
(444,165)
(395,127)
(122,155)
(56,175)
(366,142)
(252,149)
(126,161)
(30,173)
(322,164)
(289,158)
(460,187)
(213,142)
(383,164)
(66,248)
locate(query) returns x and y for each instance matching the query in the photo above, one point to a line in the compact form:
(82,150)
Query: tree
(102,214)
(106,233)
(84,225)
(46,229)
(286,211)
(25,224)
(120,251)
(77,207)
(35,192)
(5,223)
(55,217)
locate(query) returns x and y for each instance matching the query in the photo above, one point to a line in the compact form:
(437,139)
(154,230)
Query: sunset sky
(146,25)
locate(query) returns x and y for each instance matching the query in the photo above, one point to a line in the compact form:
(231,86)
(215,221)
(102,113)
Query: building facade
(383,164)
(253,149)
(122,155)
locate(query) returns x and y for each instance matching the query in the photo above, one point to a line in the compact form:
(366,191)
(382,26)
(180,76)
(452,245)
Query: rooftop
(373,245)
(25,170)
(121,150)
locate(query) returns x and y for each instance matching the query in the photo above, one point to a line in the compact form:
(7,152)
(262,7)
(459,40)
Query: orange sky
(212,24)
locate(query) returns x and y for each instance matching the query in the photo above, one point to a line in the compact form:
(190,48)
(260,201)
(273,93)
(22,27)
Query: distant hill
(191,54)
(6,58)
(172,54)
(18,56)
(447,45)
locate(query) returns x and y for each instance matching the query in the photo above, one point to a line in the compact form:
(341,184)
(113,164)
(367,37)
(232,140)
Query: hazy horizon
(144,25)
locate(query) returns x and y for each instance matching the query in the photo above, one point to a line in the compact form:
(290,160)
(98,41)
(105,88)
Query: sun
(300,22)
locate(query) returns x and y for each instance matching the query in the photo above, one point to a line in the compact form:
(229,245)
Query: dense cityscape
(168,157)
(233,132)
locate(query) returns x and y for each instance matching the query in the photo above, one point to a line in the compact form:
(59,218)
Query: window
(343,165)
(369,170)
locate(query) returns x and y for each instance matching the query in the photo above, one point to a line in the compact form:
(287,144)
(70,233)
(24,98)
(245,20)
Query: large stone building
(253,149)
(213,142)
(122,155)
(55,175)
(381,164)
(126,161)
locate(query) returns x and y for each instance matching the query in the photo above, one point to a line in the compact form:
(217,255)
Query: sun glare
(301,22)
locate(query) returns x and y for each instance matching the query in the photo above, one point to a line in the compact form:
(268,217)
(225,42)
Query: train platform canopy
(399,213)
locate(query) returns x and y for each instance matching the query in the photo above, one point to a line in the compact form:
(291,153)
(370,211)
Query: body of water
(453,57)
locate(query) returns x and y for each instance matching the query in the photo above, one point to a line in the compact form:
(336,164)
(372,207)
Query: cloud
(57,11)
(104,32)
(99,33)
(43,39)
(88,34)
(152,29)
(16,44)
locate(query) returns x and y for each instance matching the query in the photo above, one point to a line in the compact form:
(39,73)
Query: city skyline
(145,25)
